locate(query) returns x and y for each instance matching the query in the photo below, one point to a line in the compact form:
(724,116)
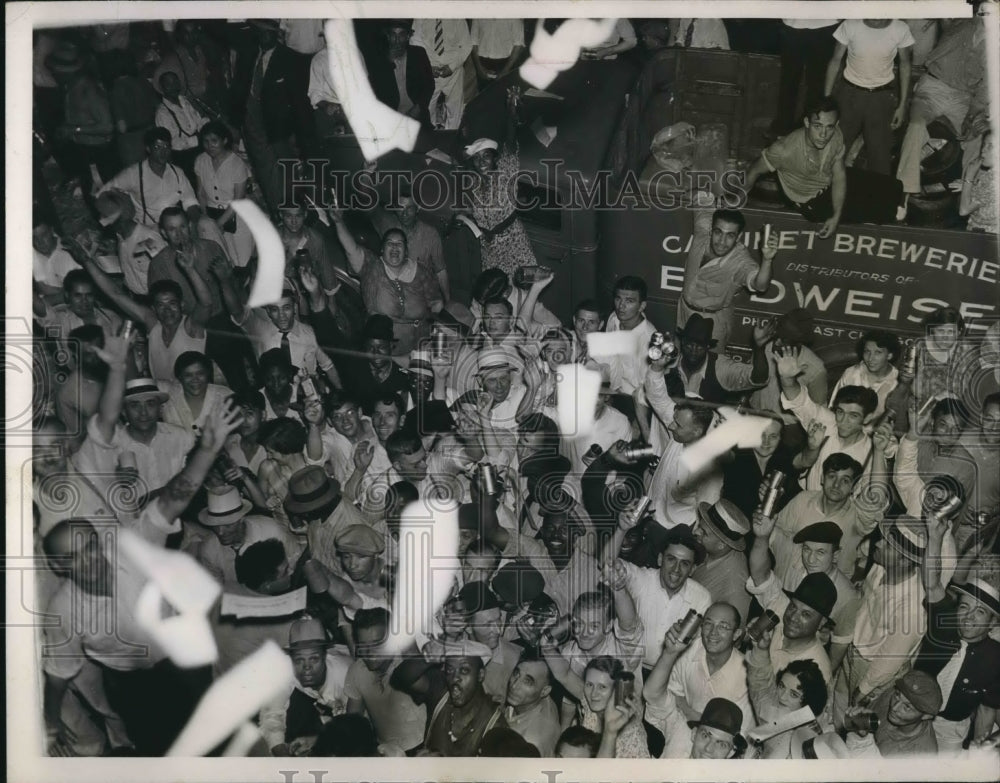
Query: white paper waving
(270,277)
(378,128)
(611,343)
(264,605)
(787,722)
(234,699)
(559,51)
(190,590)
(576,399)
(741,431)
(428,562)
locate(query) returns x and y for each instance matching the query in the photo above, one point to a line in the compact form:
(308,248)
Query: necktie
(258,76)
(286,348)
(439,37)
(689,34)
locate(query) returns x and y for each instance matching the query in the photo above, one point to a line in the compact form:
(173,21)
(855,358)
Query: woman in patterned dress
(505,242)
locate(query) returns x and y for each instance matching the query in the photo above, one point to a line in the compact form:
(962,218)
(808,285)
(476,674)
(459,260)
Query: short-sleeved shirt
(164,267)
(496,38)
(151,193)
(871,51)
(690,678)
(158,461)
(51,269)
(803,170)
(397,719)
(711,285)
(407,300)
(135,253)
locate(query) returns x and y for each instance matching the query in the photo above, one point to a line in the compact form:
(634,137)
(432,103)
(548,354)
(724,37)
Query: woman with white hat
(504,241)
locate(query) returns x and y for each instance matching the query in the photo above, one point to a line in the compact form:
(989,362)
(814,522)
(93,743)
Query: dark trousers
(869,114)
(185,159)
(802,52)
(156,703)
(75,160)
(870,198)
(229,347)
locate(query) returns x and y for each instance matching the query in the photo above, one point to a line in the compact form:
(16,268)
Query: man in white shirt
(179,116)
(448,45)
(707,667)
(51,262)
(494,375)
(497,46)
(675,494)
(629,371)
(278,326)
(79,308)
(844,424)
(866,96)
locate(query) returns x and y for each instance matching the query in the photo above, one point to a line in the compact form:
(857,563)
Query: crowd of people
(831,592)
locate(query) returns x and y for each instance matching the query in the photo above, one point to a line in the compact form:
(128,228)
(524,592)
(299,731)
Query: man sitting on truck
(718,266)
(809,163)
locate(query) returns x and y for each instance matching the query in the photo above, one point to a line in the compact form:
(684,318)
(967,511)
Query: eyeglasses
(723,627)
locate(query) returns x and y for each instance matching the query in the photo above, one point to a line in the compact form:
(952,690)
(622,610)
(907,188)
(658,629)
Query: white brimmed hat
(141,388)
(224,508)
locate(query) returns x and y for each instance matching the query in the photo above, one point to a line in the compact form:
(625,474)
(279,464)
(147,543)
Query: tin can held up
(488,477)
(766,622)
(862,721)
(660,346)
(689,626)
(775,483)
(639,452)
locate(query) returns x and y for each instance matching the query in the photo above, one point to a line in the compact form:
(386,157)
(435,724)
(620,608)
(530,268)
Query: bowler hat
(720,714)
(698,329)
(378,327)
(816,591)
(310,489)
(477,597)
(726,520)
(518,583)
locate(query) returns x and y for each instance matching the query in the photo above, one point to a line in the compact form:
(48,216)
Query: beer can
(689,626)
(909,364)
(639,452)
(767,235)
(766,622)
(775,481)
(624,688)
(128,328)
(863,721)
(982,518)
(308,389)
(950,507)
(592,453)
(641,508)
(440,344)
(488,476)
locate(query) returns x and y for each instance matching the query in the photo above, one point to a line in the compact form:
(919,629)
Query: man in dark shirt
(400,74)
(466,713)
(373,379)
(958,650)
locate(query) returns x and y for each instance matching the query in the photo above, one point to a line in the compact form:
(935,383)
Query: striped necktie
(439,37)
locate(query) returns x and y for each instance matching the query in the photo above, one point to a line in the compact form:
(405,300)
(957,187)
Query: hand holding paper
(559,51)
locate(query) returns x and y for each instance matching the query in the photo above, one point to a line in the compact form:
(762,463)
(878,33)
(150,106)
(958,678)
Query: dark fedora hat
(817,591)
(698,329)
(65,58)
(310,489)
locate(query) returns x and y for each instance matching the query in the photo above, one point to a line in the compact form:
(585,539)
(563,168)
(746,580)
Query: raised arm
(655,688)
(758,169)
(202,309)
(230,295)
(525,315)
(114,354)
(121,300)
(760,556)
(767,254)
(177,493)
(355,252)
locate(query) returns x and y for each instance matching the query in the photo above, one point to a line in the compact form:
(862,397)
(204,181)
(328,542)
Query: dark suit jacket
(742,478)
(284,100)
(419,79)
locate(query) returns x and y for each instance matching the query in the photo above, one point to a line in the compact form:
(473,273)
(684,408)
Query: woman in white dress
(222,177)
(878,351)
(192,396)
